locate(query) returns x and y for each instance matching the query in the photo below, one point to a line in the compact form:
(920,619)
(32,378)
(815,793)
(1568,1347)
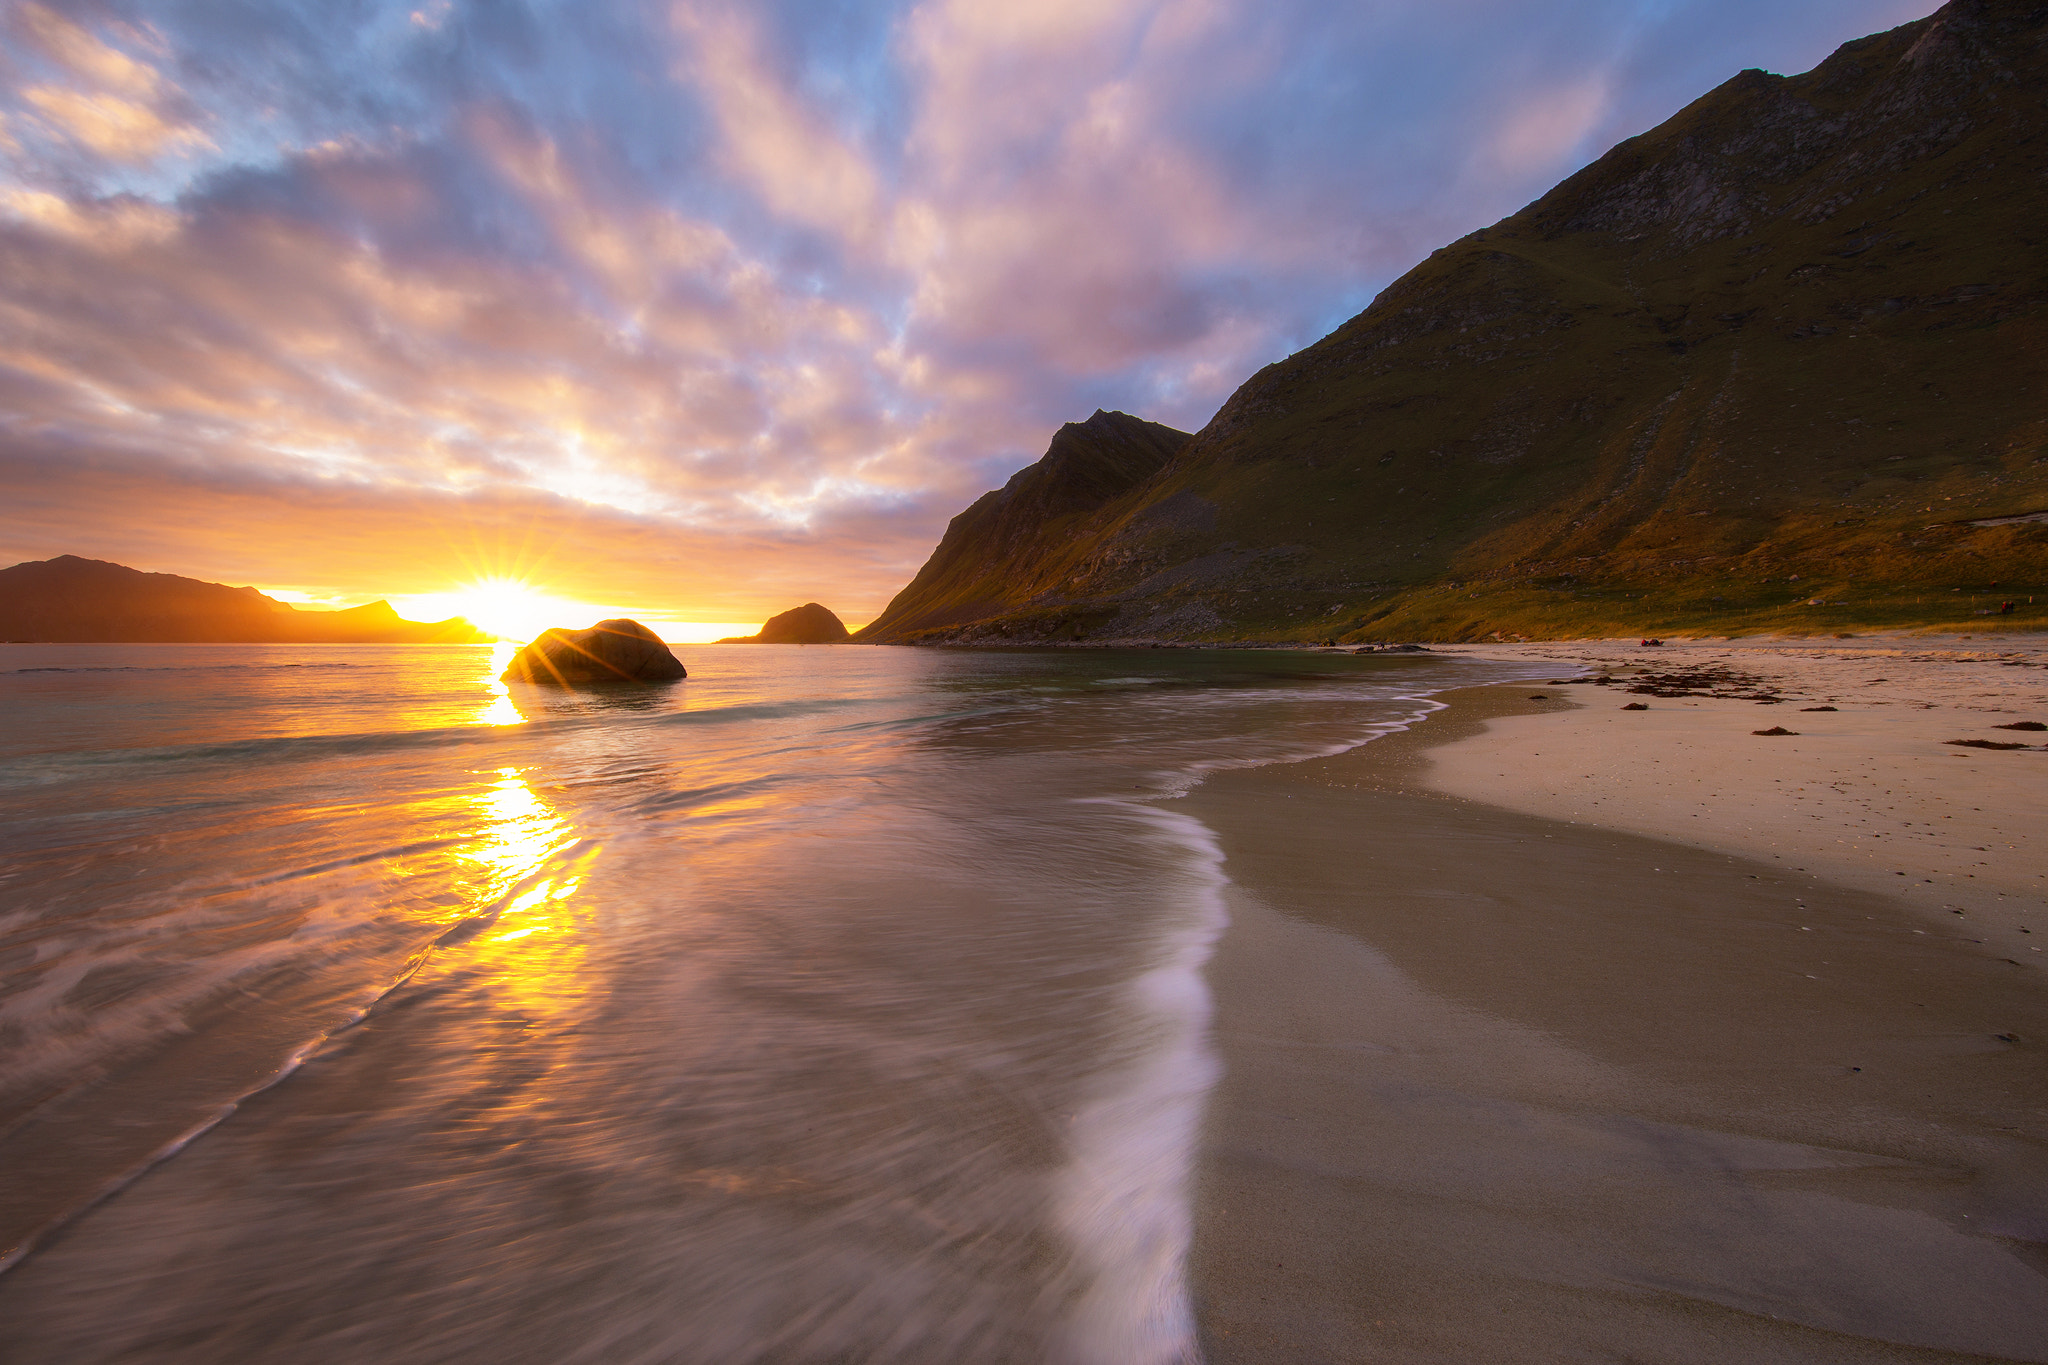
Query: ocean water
(835,1004)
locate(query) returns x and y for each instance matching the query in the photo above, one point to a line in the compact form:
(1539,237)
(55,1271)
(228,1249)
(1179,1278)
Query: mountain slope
(1011,544)
(73,600)
(1786,348)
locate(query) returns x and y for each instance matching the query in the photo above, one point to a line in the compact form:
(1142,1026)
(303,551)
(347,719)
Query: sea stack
(620,650)
(809,624)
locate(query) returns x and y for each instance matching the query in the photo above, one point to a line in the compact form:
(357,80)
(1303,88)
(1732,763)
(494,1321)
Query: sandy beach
(1555,1031)
(1868,793)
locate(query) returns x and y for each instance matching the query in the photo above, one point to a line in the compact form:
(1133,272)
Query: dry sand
(1870,795)
(1672,1077)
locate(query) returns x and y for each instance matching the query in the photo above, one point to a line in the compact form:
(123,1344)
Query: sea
(834,1004)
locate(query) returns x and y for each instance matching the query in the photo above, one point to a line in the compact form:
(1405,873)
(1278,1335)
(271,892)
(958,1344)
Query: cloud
(1549,124)
(109,101)
(85,56)
(789,154)
(723,304)
(124,129)
(355,541)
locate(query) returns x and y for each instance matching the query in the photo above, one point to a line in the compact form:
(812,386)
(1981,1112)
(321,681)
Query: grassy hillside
(1776,364)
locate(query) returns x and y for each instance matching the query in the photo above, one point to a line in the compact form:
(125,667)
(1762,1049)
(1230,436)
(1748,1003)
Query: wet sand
(1500,1086)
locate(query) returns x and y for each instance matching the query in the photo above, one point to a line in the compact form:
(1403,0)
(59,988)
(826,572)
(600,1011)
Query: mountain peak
(1005,548)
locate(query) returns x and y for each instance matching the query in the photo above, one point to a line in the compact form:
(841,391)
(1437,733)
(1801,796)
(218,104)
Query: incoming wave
(1122,1200)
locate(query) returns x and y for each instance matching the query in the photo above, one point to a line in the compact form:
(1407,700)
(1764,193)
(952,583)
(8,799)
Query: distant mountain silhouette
(809,624)
(89,601)
(1781,362)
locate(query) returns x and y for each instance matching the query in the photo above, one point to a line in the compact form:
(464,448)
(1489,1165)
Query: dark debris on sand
(1696,680)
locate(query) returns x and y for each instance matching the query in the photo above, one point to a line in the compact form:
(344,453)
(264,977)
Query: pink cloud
(106,100)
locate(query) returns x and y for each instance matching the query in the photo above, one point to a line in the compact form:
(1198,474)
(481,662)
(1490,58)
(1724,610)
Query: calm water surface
(836,1004)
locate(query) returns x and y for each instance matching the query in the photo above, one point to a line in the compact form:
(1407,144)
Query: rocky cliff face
(74,600)
(1776,363)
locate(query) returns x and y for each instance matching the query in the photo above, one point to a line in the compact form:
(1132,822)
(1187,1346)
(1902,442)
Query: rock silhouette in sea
(619,650)
(809,624)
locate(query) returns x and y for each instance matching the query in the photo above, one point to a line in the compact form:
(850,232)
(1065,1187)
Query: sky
(700,310)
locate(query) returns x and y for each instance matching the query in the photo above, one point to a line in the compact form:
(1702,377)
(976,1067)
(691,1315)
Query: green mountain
(1775,364)
(90,601)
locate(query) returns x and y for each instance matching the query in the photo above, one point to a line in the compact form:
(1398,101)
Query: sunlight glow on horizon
(505,607)
(517,611)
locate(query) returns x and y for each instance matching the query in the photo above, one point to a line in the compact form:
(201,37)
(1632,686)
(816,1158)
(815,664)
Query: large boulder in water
(610,651)
(809,624)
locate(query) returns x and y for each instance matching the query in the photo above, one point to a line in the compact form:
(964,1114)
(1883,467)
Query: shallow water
(834,1004)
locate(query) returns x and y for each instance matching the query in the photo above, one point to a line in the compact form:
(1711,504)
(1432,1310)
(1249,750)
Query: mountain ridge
(1764,366)
(71,600)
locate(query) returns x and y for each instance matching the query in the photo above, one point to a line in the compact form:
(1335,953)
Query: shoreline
(1988,637)
(1498,1085)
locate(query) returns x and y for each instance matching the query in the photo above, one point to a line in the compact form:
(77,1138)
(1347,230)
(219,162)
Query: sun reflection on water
(536,912)
(533,950)
(517,833)
(500,710)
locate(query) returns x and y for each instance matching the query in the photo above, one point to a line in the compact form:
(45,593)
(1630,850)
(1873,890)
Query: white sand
(1859,796)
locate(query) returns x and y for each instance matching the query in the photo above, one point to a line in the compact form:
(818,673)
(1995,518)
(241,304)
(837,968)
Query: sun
(507,607)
